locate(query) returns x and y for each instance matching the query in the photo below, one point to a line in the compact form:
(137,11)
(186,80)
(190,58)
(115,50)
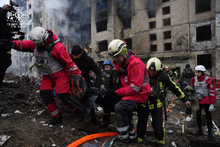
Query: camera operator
(5,51)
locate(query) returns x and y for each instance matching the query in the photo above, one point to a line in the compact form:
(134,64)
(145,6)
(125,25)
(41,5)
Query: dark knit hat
(76,50)
(187,65)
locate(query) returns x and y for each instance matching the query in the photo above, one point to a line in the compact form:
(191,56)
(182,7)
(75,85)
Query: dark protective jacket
(157,83)
(85,64)
(134,81)
(187,74)
(5,30)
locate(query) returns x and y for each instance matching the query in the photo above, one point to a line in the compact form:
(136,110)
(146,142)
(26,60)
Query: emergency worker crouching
(159,80)
(205,90)
(54,63)
(134,89)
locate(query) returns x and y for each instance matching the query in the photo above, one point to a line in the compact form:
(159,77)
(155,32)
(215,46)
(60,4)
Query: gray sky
(3,2)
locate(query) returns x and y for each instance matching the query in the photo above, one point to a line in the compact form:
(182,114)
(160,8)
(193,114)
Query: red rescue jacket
(135,83)
(211,98)
(59,51)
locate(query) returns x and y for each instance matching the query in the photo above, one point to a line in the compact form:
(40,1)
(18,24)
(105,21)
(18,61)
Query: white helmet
(39,35)
(154,64)
(200,68)
(116,47)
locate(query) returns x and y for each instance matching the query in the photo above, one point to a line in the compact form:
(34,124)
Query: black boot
(55,120)
(106,120)
(199,132)
(210,136)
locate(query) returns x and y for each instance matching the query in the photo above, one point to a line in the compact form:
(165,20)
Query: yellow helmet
(154,64)
(117,47)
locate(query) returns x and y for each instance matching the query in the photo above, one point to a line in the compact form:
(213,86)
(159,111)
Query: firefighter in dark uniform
(159,80)
(111,80)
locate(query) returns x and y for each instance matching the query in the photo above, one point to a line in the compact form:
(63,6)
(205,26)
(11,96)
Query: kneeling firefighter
(159,80)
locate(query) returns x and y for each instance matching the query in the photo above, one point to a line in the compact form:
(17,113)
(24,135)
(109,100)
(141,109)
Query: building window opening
(128,43)
(166,22)
(124,12)
(152,24)
(151,8)
(166,10)
(167,35)
(203,5)
(103,45)
(203,33)
(165,1)
(167,46)
(207,62)
(153,37)
(153,48)
(101,16)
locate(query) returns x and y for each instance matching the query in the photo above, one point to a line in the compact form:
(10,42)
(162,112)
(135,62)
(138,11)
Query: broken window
(128,43)
(153,48)
(167,35)
(101,15)
(103,45)
(203,5)
(205,60)
(203,33)
(165,1)
(166,10)
(124,12)
(151,8)
(152,24)
(166,22)
(29,6)
(86,33)
(167,46)
(153,37)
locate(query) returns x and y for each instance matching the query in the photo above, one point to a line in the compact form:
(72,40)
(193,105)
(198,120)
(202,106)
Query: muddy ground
(20,106)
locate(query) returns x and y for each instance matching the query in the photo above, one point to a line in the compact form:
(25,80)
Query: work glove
(110,93)
(6,44)
(211,108)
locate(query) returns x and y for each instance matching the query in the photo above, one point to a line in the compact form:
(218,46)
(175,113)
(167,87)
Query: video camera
(13,4)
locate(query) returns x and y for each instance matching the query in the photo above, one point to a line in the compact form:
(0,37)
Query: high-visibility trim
(73,68)
(9,52)
(132,131)
(182,94)
(135,88)
(122,129)
(54,112)
(133,136)
(123,136)
(212,94)
(212,90)
(140,139)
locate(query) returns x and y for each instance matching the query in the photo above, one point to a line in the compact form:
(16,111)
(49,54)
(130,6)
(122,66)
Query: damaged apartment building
(175,31)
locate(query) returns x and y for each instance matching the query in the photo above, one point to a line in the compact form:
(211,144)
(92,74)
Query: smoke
(70,16)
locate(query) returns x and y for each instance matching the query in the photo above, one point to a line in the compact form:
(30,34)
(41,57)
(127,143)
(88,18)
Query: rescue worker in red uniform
(134,89)
(159,80)
(54,63)
(206,93)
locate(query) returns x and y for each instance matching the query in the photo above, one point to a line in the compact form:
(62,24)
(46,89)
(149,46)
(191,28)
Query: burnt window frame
(201,33)
(164,10)
(166,45)
(153,49)
(153,37)
(151,13)
(104,42)
(165,34)
(204,4)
